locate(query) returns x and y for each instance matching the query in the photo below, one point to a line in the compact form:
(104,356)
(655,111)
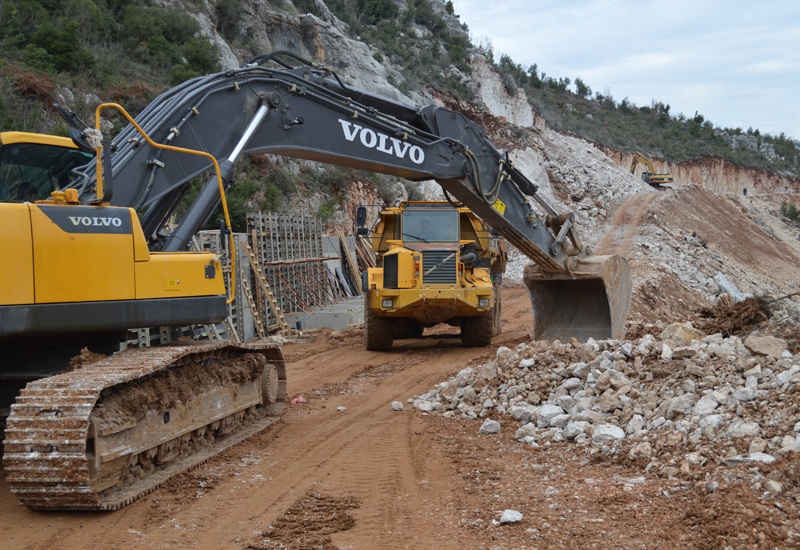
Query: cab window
(430,225)
(31,171)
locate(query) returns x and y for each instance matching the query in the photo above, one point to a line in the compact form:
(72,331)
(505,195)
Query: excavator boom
(309,113)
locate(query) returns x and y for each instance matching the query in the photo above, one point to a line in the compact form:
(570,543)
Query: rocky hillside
(683,240)
(323,37)
(717,174)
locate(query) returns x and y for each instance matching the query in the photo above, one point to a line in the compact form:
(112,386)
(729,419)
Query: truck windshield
(430,225)
(31,171)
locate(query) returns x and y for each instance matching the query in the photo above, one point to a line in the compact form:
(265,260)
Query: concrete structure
(338,316)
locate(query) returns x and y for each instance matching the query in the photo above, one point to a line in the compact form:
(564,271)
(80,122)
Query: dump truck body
(437,264)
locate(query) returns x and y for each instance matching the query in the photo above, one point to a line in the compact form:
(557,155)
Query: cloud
(737,63)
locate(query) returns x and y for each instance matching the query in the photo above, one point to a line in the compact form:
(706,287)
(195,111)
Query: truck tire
(377,332)
(477,331)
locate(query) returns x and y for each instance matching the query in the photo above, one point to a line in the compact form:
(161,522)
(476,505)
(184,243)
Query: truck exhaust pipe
(591,300)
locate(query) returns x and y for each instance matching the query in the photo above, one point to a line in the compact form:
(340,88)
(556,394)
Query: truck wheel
(377,332)
(477,331)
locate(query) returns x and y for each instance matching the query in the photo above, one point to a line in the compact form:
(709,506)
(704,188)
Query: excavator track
(104,435)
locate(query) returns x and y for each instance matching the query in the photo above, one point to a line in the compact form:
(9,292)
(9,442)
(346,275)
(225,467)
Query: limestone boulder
(765,345)
(681,333)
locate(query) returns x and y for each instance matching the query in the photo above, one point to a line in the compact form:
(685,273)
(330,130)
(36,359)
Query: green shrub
(17,113)
(230,14)
(328,208)
(790,211)
(306,6)
(61,40)
(272,198)
(38,58)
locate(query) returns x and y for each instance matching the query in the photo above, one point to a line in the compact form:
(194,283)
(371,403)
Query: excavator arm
(309,113)
(639,158)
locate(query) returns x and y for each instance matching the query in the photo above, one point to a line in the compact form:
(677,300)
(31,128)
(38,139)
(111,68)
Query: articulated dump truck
(90,255)
(437,263)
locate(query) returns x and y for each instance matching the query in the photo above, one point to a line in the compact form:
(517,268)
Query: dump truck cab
(437,263)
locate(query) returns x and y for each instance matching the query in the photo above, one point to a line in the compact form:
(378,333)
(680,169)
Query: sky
(737,63)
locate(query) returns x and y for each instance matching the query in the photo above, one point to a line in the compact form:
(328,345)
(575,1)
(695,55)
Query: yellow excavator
(659,181)
(90,255)
(80,273)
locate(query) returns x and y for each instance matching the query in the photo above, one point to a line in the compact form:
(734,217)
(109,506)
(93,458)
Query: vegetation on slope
(87,45)
(621,125)
(130,50)
(651,129)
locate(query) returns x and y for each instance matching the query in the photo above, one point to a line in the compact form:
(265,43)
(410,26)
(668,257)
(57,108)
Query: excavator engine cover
(590,301)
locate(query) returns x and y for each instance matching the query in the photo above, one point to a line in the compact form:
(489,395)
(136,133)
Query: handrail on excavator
(97,133)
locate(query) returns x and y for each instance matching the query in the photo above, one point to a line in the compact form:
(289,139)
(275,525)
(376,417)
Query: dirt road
(619,233)
(369,477)
(387,460)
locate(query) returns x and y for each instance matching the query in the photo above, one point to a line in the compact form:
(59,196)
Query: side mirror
(223,235)
(361,216)
(79,139)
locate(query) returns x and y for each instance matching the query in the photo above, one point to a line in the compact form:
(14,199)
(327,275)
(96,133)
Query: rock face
(718,174)
(322,38)
(499,100)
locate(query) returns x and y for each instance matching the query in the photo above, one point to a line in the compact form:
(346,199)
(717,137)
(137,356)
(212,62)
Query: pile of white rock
(687,388)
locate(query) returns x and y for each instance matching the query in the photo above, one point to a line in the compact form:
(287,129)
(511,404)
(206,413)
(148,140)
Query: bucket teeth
(49,446)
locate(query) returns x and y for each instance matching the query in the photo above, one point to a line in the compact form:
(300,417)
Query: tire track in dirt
(387,460)
(341,454)
(619,234)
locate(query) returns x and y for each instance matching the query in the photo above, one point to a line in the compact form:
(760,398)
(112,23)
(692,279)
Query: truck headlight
(484,302)
(386,302)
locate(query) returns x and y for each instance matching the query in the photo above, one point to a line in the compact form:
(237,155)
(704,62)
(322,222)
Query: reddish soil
(726,229)
(622,229)
(373,478)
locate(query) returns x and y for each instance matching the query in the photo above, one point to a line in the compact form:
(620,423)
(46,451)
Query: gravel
(707,398)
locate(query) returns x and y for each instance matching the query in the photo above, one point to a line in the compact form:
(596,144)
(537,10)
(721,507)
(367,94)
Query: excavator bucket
(591,301)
